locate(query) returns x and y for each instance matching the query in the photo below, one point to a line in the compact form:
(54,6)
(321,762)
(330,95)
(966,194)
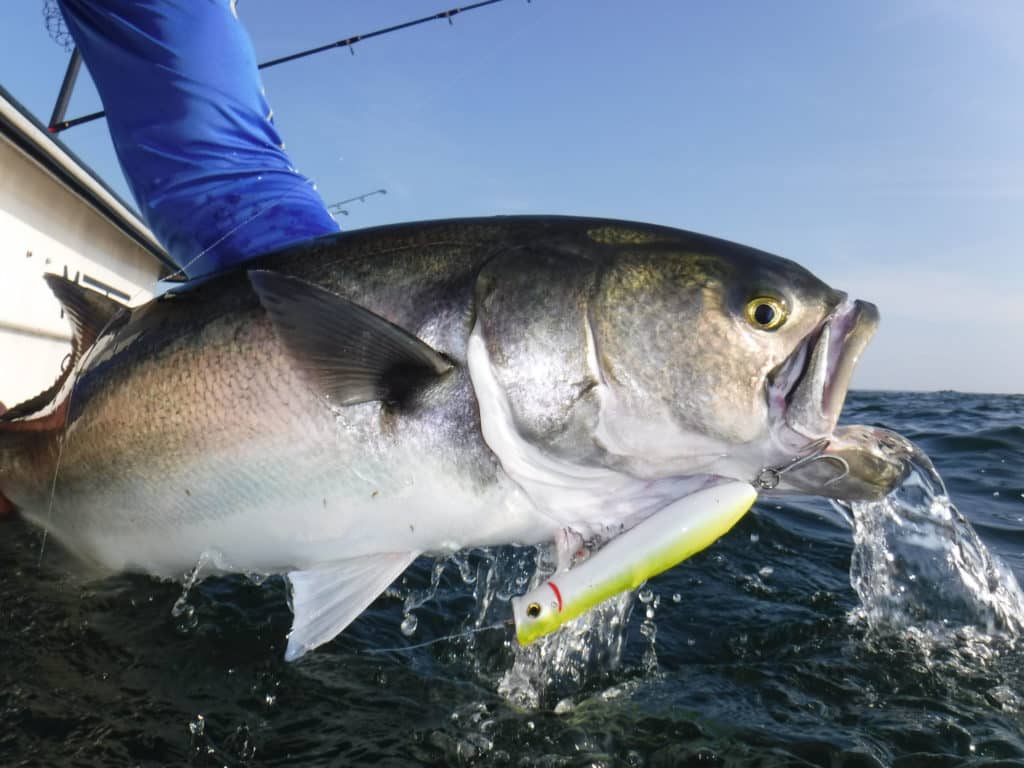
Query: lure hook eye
(533,610)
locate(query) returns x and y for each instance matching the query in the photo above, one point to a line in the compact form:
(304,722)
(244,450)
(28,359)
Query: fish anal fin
(327,599)
(350,354)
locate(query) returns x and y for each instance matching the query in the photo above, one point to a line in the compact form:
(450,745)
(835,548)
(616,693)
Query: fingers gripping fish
(337,409)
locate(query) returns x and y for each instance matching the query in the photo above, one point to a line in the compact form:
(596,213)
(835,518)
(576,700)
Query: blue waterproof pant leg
(192,129)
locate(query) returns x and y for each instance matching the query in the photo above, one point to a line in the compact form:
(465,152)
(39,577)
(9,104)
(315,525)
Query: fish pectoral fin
(350,354)
(327,599)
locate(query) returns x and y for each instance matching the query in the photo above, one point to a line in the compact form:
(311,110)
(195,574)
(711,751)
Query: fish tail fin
(27,430)
(6,505)
(90,313)
(11,445)
(28,448)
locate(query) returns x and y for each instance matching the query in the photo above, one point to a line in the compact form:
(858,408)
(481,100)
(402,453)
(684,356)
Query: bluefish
(332,411)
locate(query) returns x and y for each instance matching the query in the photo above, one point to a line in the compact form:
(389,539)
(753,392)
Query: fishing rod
(339,207)
(349,41)
(58,123)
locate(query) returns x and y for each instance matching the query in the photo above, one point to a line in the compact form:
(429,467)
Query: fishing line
(73,378)
(467,633)
(53,491)
(180,271)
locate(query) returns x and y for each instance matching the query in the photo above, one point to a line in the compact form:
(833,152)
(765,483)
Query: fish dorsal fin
(351,354)
(325,600)
(89,312)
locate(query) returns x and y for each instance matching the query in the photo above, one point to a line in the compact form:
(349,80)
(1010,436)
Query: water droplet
(466,571)
(409,624)
(677,598)
(185,614)
(269,699)
(650,612)
(754,538)
(649,629)
(645,595)
(198,726)
(995,493)
(181,608)
(765,572)
(564,707)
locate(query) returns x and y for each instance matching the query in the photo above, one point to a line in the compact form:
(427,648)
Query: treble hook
(842,463)
(769,477)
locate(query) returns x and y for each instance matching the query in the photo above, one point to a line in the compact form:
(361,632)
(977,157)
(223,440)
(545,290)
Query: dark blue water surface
(750,654)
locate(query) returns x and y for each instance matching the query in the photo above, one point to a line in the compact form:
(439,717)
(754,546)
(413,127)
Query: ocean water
(810,635)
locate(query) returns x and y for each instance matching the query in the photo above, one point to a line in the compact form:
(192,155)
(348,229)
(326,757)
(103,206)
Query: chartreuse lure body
(668,537)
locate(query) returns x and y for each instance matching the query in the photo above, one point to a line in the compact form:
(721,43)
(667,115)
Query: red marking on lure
(557,594)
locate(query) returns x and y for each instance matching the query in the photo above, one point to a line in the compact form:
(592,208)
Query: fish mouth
(808,389)
(810,385)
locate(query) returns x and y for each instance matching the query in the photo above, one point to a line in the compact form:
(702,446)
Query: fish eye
(766,313)
(533,610)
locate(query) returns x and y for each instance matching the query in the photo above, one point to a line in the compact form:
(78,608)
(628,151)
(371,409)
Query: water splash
(581,653)
(183,611)
(918,563)
(416,598)
(565,661)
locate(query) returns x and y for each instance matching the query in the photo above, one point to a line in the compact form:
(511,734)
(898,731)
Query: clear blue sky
(877,143)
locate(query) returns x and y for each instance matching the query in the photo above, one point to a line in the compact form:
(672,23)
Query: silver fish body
(337,409)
